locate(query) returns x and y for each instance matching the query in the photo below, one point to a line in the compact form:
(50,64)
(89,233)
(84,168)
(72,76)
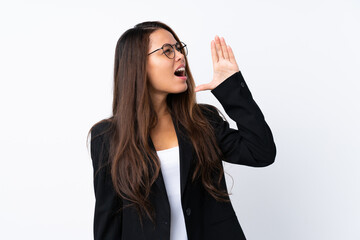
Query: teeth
(180,69)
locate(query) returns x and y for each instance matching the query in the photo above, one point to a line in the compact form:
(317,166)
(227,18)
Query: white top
(170,169)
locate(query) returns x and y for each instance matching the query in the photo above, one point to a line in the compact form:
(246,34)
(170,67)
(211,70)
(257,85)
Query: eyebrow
(162,46)
(169,44)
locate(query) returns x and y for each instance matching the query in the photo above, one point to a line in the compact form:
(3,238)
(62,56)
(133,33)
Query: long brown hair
(134,165)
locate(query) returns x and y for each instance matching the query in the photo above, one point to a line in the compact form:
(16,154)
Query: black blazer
(205,218)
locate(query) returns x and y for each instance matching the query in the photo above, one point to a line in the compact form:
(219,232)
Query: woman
(158,159)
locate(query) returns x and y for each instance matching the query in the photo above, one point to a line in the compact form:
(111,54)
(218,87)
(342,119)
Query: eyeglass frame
(172,45)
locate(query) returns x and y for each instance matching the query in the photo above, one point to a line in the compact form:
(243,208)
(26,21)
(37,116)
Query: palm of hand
(224,64)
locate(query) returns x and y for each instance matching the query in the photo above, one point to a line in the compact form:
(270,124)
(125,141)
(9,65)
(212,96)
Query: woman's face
(161,69)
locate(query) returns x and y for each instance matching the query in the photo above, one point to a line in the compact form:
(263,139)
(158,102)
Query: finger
(202,87)
(231,55)
(224,48)
(218,47)
(214,55)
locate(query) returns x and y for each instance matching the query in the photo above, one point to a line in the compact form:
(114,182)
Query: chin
(181,89)
(185,88)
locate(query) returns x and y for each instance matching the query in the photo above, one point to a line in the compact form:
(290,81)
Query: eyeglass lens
(170,52)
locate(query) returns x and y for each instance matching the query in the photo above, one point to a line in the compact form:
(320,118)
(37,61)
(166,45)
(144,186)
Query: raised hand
(224,64)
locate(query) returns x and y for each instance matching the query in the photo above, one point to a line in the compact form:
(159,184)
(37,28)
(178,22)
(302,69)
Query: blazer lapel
(186,153)
(159,182)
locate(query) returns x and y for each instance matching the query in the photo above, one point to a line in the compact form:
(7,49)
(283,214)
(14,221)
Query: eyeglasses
(169,51)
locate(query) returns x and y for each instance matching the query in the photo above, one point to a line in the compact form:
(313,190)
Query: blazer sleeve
(107,220)
(252,144)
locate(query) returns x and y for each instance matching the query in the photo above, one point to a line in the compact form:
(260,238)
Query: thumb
(202,87)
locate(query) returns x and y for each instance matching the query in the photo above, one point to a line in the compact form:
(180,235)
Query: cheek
(159,73)
(161,67)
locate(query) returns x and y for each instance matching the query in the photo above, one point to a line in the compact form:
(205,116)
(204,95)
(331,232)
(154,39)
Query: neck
(159,104)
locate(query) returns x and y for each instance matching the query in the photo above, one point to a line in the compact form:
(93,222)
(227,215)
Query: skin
(224,64)
(160,72)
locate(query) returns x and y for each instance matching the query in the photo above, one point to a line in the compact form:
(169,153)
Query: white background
(300,60)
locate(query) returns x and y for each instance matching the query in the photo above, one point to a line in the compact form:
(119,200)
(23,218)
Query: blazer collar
(186,151)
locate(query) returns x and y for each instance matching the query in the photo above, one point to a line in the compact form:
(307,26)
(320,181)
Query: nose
(179,55)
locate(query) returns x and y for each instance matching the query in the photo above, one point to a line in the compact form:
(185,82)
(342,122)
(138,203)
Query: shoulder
(100,141)
(208,109)
(211,112)
(101,128)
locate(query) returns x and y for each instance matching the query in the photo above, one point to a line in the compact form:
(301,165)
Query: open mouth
(180,72)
